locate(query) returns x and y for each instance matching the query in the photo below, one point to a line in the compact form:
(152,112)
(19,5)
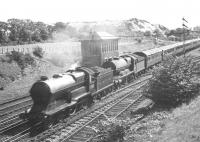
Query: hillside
(119,27)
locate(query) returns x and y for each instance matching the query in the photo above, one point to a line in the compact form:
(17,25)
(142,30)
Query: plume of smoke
(65,34)
(60,36)
(75,65)
(65,59)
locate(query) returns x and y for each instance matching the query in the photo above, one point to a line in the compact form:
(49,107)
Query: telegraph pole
(184,26)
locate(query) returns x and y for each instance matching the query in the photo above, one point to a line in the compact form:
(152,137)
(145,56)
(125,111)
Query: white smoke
(75,65)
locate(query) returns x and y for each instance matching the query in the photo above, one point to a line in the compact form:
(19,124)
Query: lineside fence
(47,47)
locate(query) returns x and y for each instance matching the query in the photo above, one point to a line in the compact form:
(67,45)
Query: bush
(3,83)
(139,40)
(38,52)
(111,131)
(172,82)
(8,73)
(23,60)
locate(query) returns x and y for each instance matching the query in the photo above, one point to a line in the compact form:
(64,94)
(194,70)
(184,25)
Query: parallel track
(22,130)
(87,131)
(9,113)
(8,107)
(108,109)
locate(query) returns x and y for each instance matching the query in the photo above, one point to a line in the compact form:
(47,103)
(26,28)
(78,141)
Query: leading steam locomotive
(66,93)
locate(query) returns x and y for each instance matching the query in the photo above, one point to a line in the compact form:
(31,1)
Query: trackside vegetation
(111,131)
(13,65)
(173,82)
(38,52)
(23,60)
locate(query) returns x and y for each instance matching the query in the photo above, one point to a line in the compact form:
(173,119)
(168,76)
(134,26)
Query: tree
(60,26)
(15,26)
(179,32)
(147,33)
(3,32)
(111,131)
(172,82)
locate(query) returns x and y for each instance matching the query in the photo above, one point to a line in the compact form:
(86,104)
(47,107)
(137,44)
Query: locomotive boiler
(63,94)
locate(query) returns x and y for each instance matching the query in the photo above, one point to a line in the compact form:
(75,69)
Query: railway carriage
(195,43)
(168,50)
(191,44)
(152,56)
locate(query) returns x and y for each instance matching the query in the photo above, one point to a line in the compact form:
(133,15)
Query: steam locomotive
(66,93)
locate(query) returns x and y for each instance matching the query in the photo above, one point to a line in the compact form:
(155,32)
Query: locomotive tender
(68,92)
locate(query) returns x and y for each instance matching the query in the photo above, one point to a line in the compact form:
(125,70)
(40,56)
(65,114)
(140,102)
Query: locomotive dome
(115,64)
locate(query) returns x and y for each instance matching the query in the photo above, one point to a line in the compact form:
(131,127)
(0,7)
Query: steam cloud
(67,58)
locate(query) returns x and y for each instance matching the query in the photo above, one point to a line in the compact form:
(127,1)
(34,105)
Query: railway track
(14,104)
(10,110)
(21,130)
(73,131)
(196,59)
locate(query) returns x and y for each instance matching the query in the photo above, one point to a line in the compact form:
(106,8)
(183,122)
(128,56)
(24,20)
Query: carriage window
(107,47)
(112,46)
(90,49)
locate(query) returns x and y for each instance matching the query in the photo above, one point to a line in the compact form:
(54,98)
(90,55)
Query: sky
(166,12)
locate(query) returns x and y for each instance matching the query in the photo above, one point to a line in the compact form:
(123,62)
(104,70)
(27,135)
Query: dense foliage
(38,52)
(172,82)
(8,73)
(12,66)
(23,60)
(180,34)
(18,31)
(111,131)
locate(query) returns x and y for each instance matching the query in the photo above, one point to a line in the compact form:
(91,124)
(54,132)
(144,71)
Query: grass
(185,126)
(22,85)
